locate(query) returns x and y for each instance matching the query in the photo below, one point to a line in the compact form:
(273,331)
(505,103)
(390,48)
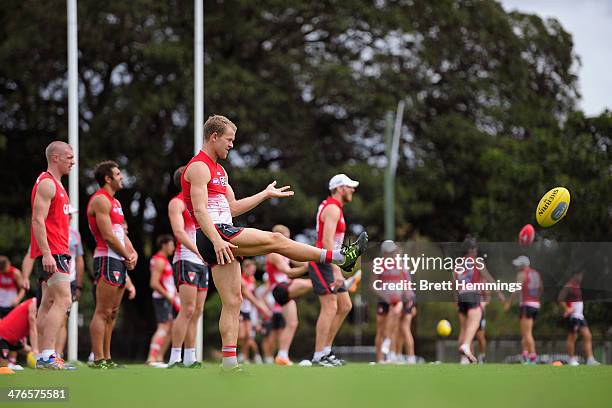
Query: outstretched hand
(281,192)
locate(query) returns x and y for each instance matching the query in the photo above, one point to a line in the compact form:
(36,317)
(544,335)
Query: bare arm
(562,299)
(292,272)
(129,287)
(330,217)
(520,278)
(32,325)
(156,271)
(239,207)
(198,175)
(19,283)
(26,270)
(80,272)
(260,305)
(131,262)
(42,201)
(488,278)
(101,207)
(175,213)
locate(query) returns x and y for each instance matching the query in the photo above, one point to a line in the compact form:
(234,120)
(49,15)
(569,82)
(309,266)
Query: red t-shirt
(16,325)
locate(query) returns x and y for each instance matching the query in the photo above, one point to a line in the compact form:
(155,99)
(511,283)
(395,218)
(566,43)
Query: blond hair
(217,124)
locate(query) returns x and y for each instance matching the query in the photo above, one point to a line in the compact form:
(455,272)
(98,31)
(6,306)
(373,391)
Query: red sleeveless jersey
(116,218)
(16,325)
(530,294)
(393,275)
(57,223)
(340,226)
(166,279)
(274,275)
(7,279)
(470,274)
(575,292)
(183,253)
(218,207)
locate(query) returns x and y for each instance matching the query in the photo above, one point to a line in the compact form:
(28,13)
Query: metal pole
(198,128)
(389,207)
(199,76)
(73,139)
(392,136)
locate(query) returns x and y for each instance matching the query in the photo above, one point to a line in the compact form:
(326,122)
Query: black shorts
(464,307)
(6,347)
(207,249)
(191,274)
(266,328)
(112,270)
(528,312)
(281,293)
(5,310)
(163,310)
(322,277)
(467,301)
(62,262)
(245,316)
(278,321)
(382,308)
(574,324)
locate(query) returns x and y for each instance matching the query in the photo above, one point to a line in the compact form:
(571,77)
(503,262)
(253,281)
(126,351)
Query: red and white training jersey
(274,275)
(8,287)
(57,221)
(574,299)
(340,226)
(218,206)
(530,293)
(468,273)
(249,281)
(16,325)
(393,275)
(117,219)
(182,253)
(166,279)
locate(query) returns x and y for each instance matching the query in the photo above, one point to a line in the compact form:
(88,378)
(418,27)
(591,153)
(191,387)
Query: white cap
(521,261)
(72,210)
(388,246)
(340,180)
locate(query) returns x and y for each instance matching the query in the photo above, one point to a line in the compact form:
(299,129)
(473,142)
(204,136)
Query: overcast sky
(590,23)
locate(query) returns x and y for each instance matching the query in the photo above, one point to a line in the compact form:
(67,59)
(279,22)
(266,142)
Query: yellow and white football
(553,206)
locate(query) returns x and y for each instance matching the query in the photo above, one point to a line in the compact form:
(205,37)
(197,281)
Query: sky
(590,23)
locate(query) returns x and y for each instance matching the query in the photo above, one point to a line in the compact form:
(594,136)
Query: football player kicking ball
(212,204)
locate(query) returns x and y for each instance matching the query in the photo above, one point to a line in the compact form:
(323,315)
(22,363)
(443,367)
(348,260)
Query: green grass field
(355,385)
